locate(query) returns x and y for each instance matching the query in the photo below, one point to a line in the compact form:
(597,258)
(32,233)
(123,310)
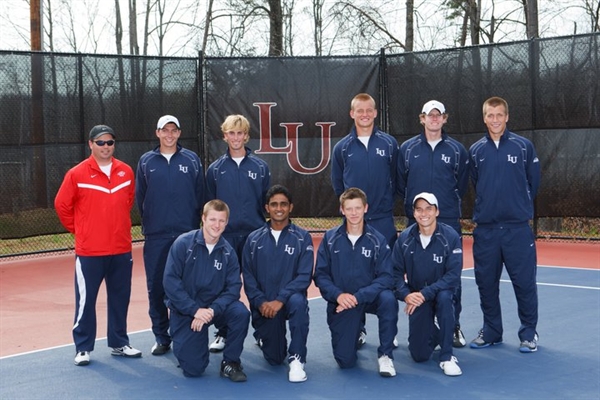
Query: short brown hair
(362,97)
(351,194)
(216,205)
(495,102)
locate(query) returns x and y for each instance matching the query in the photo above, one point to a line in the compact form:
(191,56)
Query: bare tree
(531,18)
(469,12)
(592,11)
(275,14)
(118,28)
(133,39)
(288,27)
(317,17)
(365,27)
(207,23)
(410,25)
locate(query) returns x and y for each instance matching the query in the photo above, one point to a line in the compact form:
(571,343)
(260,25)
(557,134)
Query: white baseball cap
(165,119)
(433,104)
(428,197)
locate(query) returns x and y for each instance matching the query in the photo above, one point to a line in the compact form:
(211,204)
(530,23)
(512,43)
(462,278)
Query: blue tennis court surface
(567,364)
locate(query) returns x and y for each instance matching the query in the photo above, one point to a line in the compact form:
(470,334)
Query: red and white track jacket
(97,209)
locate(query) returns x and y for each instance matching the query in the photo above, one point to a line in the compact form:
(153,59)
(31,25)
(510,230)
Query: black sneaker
(159,349)
(459,338)
(233,371)
(479,343)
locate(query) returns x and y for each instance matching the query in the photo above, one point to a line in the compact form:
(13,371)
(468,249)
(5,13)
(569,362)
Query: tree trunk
(276,28)
(410,25)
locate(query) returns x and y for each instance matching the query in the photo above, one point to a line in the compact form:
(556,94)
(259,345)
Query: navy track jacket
(372,170)
(169,194)
(276,271)
(363,270)
(194,279)
(243,188)
(443,171)
(506,179)
(430,270)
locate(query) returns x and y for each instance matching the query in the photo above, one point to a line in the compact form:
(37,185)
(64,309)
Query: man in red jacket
(93,203)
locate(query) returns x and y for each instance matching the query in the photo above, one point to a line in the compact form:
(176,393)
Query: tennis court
(36,311)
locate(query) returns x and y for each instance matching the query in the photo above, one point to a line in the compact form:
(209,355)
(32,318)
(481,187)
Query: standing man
(434,162)
(169,194)
(202,283)
(94,203)
(427,260)
(366,158)
(241,180)
(278,264)
(354,274)
(505,171)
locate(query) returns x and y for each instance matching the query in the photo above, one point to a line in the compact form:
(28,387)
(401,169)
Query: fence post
(384,121)
(533,78)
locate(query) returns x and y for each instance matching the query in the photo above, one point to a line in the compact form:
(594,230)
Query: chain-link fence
(298,108)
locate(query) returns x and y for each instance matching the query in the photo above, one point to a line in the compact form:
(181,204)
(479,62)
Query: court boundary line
(472,278)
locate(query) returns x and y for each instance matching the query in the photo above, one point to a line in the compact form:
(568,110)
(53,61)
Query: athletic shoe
(451,367)
(362,339)
(233,371)
(386,366)
(82,358)
(395,343)
(126,351)
(297,373)
(160,349)
(479,343)
(217,345)
(459,338)
(529,346)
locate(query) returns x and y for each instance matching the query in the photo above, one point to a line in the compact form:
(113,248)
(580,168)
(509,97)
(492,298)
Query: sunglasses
(103,142)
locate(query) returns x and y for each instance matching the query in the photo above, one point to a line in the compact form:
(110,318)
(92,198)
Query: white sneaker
(395,343)
(82,358)
(217,345)
(451,367)
(386,366)
(297,373)
(126,351)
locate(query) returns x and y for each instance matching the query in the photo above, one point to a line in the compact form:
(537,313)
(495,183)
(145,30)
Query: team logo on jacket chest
(512,159)
(446,158)
(380,152)
(289,250)
(183,168)
(218,265)
(366,252)
(252,175)
(438,259)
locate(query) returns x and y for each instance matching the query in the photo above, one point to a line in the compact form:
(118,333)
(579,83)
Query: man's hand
(346,301)
(203,316)
(413,300)
(269,309)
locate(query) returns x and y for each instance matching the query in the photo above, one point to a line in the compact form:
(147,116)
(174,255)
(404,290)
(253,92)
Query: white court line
(64,345)
(545,284)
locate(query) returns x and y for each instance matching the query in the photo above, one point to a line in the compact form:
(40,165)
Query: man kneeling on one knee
(427,260)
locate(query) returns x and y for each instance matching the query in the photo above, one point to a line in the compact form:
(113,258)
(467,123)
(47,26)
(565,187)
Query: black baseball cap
(100,130)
